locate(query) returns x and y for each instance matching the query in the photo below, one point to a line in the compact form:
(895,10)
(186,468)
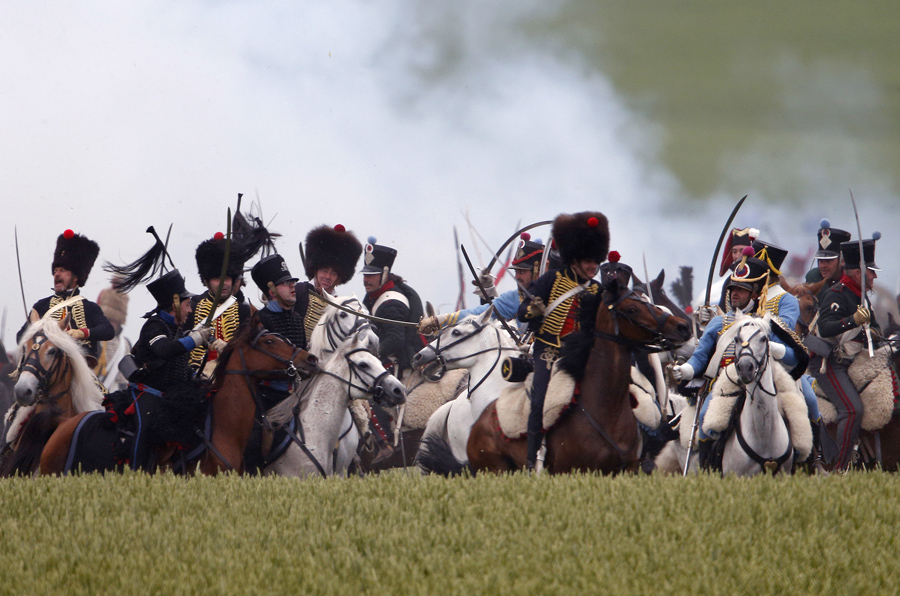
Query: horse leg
(56,451)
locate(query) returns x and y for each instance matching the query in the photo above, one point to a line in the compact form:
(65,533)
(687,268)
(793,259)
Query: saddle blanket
(876,382)
(514,403)
(791,405)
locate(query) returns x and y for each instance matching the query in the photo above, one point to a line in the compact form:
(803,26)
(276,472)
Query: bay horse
(599,432)
(54,383)
(318,409)
(807,295)
(254,357)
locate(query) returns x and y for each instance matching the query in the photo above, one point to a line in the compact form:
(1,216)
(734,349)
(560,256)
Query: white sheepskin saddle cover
(791,404)
(427,396)
(873,378)
(513,405)
(15,419)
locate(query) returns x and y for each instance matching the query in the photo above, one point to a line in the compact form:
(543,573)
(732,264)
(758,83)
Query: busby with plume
(76,253)
(249,236)
(333,247)
(580,236)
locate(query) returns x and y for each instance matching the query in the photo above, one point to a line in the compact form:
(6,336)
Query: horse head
(636,320)
(807,296)
(335,326)
(372,379)
(751,350)
(459,345)
(261,354)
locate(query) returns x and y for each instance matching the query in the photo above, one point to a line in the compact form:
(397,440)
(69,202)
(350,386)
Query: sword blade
(862,274)
(712,266)
(19,265)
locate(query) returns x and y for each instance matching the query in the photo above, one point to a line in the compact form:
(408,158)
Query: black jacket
(163,358)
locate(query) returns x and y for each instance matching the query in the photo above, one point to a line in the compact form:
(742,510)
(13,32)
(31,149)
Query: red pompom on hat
(748,251)
(218,236)
(340,228)
(525,236)
(614,256)
(68,234)
(593,222)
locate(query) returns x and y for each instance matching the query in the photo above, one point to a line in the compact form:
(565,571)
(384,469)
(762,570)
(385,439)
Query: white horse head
(44,348)
(473,340)
(751,350)
(335,326)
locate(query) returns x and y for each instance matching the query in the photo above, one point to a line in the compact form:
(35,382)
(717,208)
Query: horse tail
(436,457)
(26,456)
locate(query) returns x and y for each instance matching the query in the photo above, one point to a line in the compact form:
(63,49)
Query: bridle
(334,334)
(742,351)
(657,343)
(478,328)
(46,376)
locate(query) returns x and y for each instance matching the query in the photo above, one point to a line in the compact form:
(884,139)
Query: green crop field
(403,534)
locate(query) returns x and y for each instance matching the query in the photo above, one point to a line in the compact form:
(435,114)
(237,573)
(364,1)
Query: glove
(76,333)
(860,317)
(430,325)
(706,313)
(487,281)
(537,307)
(682,372)
(218,344)
(200,336)
(777,350)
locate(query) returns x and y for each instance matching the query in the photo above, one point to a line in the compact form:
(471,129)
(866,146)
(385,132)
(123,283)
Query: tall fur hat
(114,304)
(76,253)
(210,255)
(582,235)
(332,247)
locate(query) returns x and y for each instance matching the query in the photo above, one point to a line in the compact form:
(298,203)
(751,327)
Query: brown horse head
(635,320)
(807,296)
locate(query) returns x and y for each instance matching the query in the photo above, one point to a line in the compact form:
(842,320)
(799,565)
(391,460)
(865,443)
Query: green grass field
(403,534)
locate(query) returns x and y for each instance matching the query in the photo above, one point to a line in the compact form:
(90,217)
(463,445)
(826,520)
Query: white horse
(479,345)
(352,372)
(772,425)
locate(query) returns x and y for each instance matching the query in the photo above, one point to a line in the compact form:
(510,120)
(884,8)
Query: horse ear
(486,315)
(891,321)
(784,284)
(657,283)
(429,309)
(817,287)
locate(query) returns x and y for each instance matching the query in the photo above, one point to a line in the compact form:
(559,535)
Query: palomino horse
(479,345)
(599,432)
(807,294)
(54,383)
(253,358)
(318,409)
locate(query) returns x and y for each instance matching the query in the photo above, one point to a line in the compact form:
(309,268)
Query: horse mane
(244,337)
(84,391)
(320,331)
(576,347)
(764,323)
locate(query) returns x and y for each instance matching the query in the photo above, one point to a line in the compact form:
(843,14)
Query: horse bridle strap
(438,351)
(32,363)
(600,430)
(762,461)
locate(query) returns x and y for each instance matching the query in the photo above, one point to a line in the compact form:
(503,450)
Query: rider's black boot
(703,452)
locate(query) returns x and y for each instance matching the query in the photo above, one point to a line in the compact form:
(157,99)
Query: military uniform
(580,236)
(829,240)
(837,326)
(773,298)
(77,254)
(326,247)
(286,322)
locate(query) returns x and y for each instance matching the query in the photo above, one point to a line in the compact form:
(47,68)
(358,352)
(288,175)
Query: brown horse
(600,431)
(252,357)
(53,384)
(807,295)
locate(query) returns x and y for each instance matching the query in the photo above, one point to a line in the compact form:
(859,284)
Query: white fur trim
(792,405)
(424,397)
(513,407)
(646,412)
(878,395)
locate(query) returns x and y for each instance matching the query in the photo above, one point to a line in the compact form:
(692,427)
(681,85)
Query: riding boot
(703,452)
(534,443)
(817,466)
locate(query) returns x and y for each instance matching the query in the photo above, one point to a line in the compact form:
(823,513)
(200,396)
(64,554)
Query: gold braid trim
(224,327)
(313,313)
(77,310)
(552,326)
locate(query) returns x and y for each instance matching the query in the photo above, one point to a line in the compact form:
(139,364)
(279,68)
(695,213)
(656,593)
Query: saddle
(725,395)
(877,383)
(514,404)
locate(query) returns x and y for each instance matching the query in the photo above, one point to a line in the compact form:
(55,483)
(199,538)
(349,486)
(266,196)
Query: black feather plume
(129,276)
(683,287)
(251,236)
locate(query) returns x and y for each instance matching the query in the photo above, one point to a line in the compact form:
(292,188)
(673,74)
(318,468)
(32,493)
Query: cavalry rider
(525,266)
(732,254)
(743,290)
(773,297)
(160,356)
(841,317)
(829,265)
(235,314)
(330,261)
(73,260)
(583,242)
(115,306)
(275,281)
(389,297)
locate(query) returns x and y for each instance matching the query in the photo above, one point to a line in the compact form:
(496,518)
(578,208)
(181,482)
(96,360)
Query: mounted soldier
(842,317)
(743,289)
(160,356)
(525,267)
(73,260)
(229,314)
(583,243)
(329,261)
(772,296)
(732,254)
(389,297)
(829,263)
(274,280)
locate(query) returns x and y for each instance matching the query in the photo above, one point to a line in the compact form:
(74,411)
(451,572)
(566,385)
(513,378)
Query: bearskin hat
(75,253)
(114,304)
(582,235)
(210,255)
(332,247)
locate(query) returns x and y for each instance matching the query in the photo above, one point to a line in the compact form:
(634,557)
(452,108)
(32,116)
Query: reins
(32,363)
(499,348)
